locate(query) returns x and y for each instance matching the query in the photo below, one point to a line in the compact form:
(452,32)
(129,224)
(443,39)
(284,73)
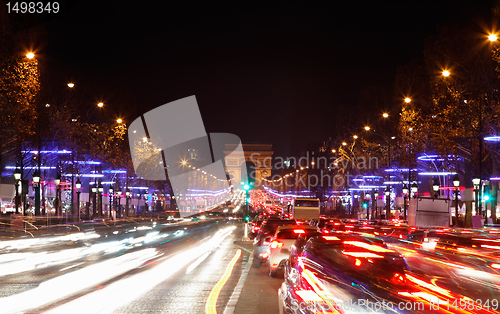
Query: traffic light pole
(246,238)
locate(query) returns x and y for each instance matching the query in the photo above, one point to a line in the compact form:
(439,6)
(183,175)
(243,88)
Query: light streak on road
(125,291)
(68,284)
(211,305)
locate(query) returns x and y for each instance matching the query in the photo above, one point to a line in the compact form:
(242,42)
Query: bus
(305,208)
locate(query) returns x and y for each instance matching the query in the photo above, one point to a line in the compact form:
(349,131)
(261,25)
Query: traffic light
(247,218)
(365,204)
(246,187)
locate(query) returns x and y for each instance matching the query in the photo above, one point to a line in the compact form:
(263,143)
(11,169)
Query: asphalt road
(199,267)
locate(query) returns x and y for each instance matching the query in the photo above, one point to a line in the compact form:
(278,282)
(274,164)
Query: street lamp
(78,186)
(100,189)
(376,200)
(111,201)
(476,182)
(57,182)
(456,184)
(17,177)
(405,193)
(36,185)
(119,192)
(414,189)
(94,199)
(435,188)
(387,202)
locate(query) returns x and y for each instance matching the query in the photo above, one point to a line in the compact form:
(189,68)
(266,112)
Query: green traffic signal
(246,187)
(247,218)
(365,205)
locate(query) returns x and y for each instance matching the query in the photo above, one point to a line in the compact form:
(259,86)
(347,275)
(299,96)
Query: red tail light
(325,231)
(275,244)
(337,224)
(299,231)
(331,238)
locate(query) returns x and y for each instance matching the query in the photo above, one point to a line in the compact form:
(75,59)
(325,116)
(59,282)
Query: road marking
(66,268)
(231,305)
(211,305)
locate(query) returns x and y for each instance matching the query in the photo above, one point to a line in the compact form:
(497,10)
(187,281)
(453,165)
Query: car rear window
(292,234)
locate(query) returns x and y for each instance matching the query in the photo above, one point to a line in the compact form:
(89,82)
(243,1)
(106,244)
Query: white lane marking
(66,268)
(231,305)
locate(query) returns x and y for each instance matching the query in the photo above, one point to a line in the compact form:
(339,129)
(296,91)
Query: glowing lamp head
(30,55)
(100,105)
(405,189)
(446,73)
(456,181)
(71,85)
(367,128)
(407,100)
(385,115)
(119,120)
(17,174)
(78,184)
(492,37)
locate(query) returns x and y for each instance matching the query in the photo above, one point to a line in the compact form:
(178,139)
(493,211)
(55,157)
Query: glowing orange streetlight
(71,85)
(355,137)
(407,100)
(385,115)
(100,105)
(119,120)
(30,55)
(446,73)
(344,143)
(333,150)
(492,37)
(367,128)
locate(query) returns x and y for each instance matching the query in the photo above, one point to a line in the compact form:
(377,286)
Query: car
(265,236)
(279,248)
(330,271)
(255,226)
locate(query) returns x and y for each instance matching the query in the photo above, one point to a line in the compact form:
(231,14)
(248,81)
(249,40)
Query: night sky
(265,72)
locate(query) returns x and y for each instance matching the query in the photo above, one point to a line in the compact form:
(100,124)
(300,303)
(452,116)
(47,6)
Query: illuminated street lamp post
(435,188)
(376,200)
(36,185)
(414,189)
(456,184)
(119,211)
(57,182)
(387,203)
(100,189)
(111,201)
(78,186)
(476,182)
(94,199)
(127,201)
(17,177)
(405,193)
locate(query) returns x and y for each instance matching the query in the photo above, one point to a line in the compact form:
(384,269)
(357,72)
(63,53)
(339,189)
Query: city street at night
(261,158)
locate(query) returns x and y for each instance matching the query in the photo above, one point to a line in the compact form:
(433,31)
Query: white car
(279,248)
